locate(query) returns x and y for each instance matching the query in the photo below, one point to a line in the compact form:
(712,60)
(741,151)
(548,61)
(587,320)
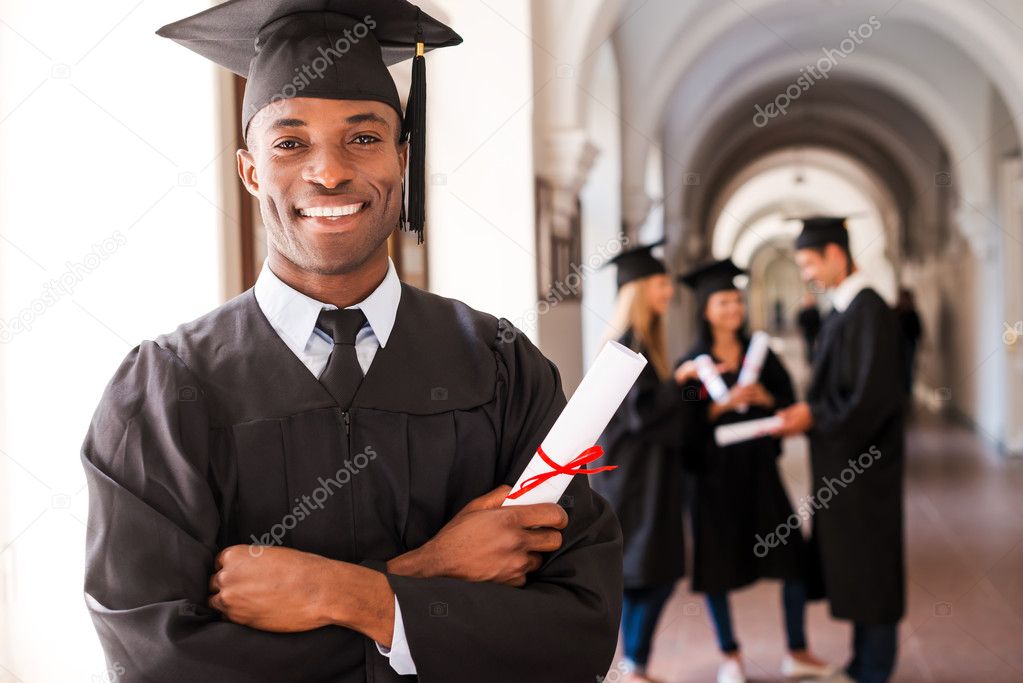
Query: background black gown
(737,493)
(209,436)
(646,491)
(857,398)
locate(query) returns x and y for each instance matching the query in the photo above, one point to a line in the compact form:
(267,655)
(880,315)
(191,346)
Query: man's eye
(280,145)
(366,139)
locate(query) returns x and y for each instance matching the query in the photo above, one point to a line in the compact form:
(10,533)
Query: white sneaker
(731,671)
(793,668)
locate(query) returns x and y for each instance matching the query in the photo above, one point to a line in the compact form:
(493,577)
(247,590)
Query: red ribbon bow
(573,467)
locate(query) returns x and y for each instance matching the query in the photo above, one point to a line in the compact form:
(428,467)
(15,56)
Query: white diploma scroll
(737,432)
(582,421)
(753,362)
(711,378)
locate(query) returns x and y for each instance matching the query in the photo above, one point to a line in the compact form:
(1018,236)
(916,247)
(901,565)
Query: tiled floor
(964,527)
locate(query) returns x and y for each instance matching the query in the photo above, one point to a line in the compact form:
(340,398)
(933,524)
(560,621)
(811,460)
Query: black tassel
(414,130)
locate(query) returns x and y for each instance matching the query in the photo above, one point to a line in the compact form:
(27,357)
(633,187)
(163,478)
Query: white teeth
(331,211)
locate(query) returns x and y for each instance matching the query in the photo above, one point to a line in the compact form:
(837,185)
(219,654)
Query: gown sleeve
(777,381)
(152,539)
(563,624)
(651,408)
(870,348)
(694,422)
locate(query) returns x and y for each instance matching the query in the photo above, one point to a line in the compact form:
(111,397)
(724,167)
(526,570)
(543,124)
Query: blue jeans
(640,609)
(793,601)
(874,650)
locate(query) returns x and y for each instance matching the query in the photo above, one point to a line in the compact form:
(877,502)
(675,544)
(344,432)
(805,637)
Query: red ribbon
(573,467)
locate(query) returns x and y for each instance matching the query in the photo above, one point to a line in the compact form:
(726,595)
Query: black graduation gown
(208,436)
(737,493)
(857,399)
(646,491)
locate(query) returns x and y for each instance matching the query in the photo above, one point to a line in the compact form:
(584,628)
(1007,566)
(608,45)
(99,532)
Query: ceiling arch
(739,40)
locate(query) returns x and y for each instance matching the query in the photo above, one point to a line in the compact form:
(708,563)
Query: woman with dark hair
(738,497)
(644,440)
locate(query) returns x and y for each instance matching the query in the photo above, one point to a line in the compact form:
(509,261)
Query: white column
(1010,190)
(480,212)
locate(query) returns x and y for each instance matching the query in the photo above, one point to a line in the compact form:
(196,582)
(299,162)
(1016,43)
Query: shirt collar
(847,290)
(294,314)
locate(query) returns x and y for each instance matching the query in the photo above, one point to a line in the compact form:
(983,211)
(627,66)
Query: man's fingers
(543,540)
(535,561)
(214,584)
(489,500)
(228,554)
(542,515)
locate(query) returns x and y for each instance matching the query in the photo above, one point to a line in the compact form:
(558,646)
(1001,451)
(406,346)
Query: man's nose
(328,166)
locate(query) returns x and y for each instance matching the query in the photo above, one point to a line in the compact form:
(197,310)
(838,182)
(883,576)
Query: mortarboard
(638,263)
(708,278)
(331,49)
(820,230)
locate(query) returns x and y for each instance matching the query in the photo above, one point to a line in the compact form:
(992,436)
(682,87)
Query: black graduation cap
(331,49)
(715,276)
(637,263)
(820,230)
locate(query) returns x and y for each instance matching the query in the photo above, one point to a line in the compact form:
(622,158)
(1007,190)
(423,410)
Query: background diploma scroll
(582,421)
(737,432)
(753,362)
(711,378)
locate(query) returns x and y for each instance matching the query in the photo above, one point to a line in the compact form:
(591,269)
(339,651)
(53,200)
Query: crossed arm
(286,590)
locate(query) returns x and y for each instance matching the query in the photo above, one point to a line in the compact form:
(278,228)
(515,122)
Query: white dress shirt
(847,289)
(293,316)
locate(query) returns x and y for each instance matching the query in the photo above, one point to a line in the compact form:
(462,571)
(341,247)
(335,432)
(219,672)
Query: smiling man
(305,484)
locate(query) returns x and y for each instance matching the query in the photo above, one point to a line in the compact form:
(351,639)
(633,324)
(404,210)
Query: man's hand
(269,588)
(796,419)
(286,590)
(487,542)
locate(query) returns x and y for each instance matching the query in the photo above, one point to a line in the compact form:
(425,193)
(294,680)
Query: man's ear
(838,256)
(403,156)
(247,171)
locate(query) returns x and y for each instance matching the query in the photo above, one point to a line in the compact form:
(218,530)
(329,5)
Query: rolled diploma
(582,421)
(753,362)
(711,378)
(737,432)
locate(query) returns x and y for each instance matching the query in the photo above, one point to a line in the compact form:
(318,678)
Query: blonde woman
(644,440)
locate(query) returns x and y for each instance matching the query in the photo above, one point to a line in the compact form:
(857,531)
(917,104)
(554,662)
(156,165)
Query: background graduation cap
(707,278)
(637,263)
(820,230)
(331,49)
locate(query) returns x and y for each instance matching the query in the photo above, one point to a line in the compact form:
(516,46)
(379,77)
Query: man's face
(328,177)
(823,268)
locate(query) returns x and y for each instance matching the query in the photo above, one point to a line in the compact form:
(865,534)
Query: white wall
(106,132)
(479,159)
(601,200)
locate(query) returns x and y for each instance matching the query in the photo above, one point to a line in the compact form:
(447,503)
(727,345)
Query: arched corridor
(722,122)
